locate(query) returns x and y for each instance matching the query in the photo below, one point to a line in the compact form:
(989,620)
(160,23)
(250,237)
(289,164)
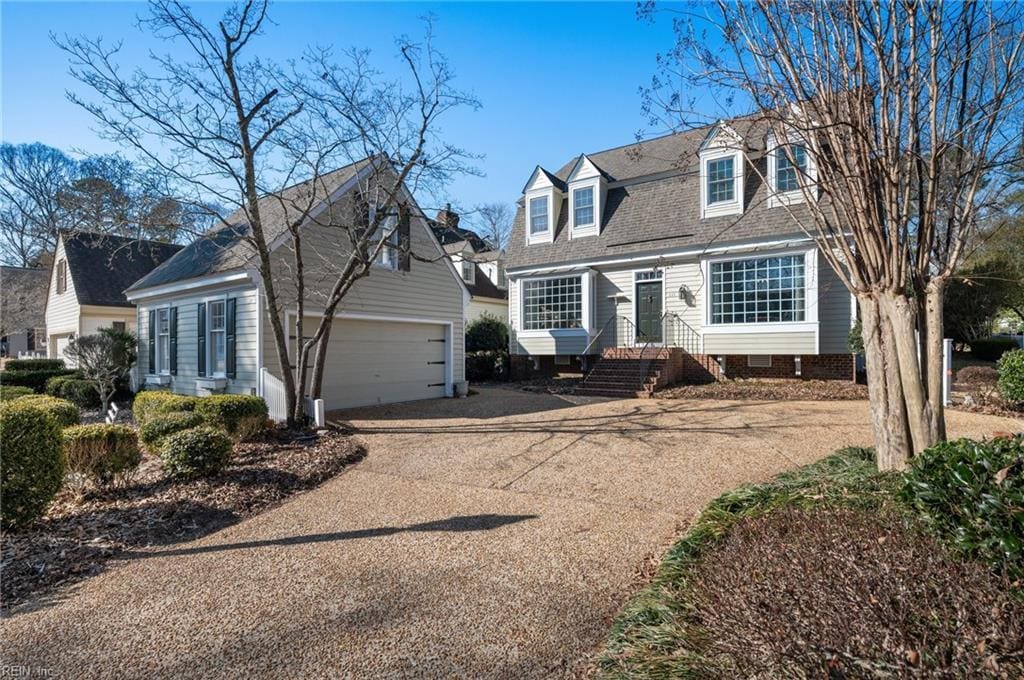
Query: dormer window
(721,180)
(721,172)
(538,215)
(583,207)
(468,271)
(790,171)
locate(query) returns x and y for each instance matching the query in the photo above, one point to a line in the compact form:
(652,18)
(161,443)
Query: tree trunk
(888,409)
(933,366)
(316,386)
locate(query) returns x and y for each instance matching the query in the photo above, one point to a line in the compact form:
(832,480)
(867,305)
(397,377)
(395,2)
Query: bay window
(553,303)
(758,290)
(217,341)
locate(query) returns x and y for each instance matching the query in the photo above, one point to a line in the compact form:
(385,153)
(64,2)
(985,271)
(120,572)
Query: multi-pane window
(583,207)
(217,342)
(762,290)
(502,276)
(62,276)
(721,180)
(789,167)
(163,340)
(553,303)
(468,271)
(538,215)
(118,326)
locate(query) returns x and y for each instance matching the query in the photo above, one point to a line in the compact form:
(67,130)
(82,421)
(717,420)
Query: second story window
(387,258)
(721,176)
(468,271)
(583,207)
(538,215)
(62,276)
(790,167)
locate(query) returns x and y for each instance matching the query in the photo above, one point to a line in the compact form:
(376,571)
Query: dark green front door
(648,311)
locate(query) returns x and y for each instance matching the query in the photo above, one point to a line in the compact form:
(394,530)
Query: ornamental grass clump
(33,467)
(105,455)
(197,452)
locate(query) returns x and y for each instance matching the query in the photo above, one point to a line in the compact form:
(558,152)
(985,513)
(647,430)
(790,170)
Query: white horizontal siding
(61,309)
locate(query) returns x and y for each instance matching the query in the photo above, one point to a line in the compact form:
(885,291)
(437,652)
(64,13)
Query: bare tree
(494,222)
(233,129)
(903,111)
(31,178)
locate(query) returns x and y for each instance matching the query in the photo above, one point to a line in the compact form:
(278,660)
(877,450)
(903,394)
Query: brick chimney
(447,218)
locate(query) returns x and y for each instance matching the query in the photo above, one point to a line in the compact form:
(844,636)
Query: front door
(648,311)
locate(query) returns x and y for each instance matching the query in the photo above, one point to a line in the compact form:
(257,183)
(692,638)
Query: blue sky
(555,79)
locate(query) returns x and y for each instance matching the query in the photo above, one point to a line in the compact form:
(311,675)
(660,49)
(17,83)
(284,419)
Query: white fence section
(272,390)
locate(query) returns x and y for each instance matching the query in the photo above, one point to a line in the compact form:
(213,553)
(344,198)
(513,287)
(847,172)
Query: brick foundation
(813,367)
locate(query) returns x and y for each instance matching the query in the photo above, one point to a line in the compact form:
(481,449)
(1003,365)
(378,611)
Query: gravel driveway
(487,537)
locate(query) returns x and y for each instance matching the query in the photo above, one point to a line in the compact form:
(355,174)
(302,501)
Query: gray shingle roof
(102,266)
(224,248)
(22,299)
(657,207)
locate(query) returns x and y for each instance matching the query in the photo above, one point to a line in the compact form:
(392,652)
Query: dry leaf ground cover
(79,537)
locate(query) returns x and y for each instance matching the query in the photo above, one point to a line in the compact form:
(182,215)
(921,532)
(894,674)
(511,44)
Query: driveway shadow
(489,402)
(457,524)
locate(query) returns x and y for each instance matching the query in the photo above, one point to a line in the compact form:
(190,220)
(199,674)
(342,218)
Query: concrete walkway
(489,537)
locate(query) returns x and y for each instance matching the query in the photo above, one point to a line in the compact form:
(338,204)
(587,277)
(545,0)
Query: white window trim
(472,271)
(586,311)
(210,373)
(592,227)
(733,207)
(156,347)
(542,236)
(808,325)
(777,199)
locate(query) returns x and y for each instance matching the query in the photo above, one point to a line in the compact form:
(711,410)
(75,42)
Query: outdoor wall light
(687,296)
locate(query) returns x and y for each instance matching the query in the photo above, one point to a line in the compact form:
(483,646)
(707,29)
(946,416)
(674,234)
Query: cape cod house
(681,251)
(398,336)
(87,279)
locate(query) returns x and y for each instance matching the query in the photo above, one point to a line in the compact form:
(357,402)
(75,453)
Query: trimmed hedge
(35,365)
(196,452)
(33,467)
(241,416)
(972,493)
(12,392)
(990,349)
(486,334)
(78,391)
(1011,376)
(161,425)
(35,379)
(104,454)
(149,404)
(63,411)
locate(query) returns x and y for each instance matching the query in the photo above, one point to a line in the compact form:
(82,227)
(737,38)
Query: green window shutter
(152,342)
(404,243)
(229,335)
(173,313)
(201,338)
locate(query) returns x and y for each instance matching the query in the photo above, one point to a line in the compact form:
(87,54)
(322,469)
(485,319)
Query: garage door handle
(431,363)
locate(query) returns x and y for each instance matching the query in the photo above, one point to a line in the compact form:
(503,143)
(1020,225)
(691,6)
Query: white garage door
(381,362)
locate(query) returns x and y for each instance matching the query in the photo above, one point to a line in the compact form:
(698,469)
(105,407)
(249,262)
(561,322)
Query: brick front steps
(622,373)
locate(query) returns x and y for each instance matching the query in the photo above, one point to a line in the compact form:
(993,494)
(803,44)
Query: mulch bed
(764,389)
(79,537)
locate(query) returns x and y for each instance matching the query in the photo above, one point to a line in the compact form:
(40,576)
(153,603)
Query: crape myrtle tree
(232,129)
(906,112)
(104,359)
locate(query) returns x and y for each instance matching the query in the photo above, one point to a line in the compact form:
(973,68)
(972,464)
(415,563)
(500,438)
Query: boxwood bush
(990,349)
(151,403)
(12,392)
(63,411)
(101,453)
(33,467)
(35,378)
(196,452)
(80,392)
(972,493)
(1011,376)
(241,416)
(161,425)
(486,366)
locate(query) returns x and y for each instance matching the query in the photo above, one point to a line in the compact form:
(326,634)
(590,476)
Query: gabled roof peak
(579,164)
(722,129)
(557,183)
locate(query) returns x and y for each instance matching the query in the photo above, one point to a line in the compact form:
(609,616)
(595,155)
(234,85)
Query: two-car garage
(379,361)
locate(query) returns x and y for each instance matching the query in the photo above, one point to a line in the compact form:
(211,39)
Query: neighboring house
(677,243)
(398,335)
(481,266)
(87,280)
(22,310)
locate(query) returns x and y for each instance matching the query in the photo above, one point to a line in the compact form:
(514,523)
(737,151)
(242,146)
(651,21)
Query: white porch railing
(271,389)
